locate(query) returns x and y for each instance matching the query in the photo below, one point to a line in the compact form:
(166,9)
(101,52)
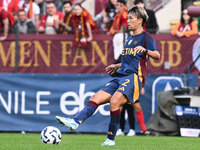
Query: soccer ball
(51,135)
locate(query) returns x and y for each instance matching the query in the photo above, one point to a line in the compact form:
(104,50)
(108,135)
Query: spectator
(32,10)
(109,13)
(23,25)
(67,23)
(6,21)
(151,25)
(186,27)
(41,5)
(57,3)
(11,6)
(49,23)
(83,25)
(116,29)
(73,1)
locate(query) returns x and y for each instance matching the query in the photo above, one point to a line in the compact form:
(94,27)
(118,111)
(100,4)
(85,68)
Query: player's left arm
(153,54)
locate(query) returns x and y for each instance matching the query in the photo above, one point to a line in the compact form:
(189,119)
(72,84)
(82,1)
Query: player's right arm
(111,69)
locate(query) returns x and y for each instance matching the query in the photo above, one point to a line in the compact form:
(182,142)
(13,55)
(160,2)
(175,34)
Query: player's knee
(114,104)
(94,99)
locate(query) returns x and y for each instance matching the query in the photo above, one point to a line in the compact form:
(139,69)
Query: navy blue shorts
(129,85)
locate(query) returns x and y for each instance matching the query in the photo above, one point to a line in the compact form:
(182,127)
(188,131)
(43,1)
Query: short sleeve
(86,16)
(3,14)
(151,43)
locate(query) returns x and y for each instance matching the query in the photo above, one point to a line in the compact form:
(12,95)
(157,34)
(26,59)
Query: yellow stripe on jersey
(140,72)
(136,88)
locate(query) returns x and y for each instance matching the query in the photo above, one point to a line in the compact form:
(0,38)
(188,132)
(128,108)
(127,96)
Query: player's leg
(116,102)
(140,116)
(127,92)
(131,119)
(99,98)
(122,122)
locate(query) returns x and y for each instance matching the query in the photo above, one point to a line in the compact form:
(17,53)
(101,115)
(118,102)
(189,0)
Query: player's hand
(111,69)
(139,49)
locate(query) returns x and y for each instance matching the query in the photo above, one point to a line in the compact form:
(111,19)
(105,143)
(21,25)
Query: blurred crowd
(46,17)
(69,17)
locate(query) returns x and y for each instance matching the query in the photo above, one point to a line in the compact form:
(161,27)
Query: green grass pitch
(31,141)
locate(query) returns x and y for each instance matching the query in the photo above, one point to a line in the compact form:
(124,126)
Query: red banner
(176,54)
(56,54)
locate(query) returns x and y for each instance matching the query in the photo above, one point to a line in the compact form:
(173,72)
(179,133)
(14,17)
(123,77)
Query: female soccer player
(130,76)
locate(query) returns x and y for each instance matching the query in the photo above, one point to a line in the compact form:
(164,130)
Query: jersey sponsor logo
(128,51)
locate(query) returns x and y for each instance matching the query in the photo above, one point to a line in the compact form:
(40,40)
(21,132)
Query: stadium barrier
(30,102)
(43,85)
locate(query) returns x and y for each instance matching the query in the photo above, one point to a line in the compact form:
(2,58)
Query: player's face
(133,22)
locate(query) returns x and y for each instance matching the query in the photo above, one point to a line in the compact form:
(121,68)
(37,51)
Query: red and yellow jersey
(12,5)
(86,18)
(119,21)
(4,15)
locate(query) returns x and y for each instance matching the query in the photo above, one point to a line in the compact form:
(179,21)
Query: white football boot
(67,122)
(108,142)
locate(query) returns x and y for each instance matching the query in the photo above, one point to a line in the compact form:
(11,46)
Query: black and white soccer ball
(51,135)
